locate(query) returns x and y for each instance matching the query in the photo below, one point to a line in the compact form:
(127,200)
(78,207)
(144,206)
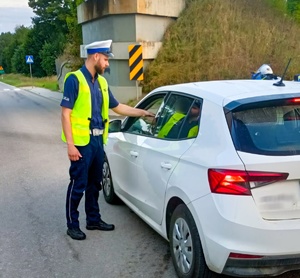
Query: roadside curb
(44,92)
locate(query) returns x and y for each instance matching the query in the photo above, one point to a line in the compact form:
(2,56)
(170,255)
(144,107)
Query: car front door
(159,155)
(124,152)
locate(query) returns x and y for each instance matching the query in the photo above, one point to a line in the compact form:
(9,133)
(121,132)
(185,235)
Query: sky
(14,13)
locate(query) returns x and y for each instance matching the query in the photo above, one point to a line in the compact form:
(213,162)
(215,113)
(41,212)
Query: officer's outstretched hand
(148,114)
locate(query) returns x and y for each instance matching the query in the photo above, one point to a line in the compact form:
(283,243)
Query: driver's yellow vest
(193,131)
(175,118)
(82,111)
(171,122)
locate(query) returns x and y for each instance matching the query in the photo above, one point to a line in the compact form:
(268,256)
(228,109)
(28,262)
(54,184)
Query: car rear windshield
(268,128)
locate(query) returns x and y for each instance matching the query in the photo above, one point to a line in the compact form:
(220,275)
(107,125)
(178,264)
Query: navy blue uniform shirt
(71,88)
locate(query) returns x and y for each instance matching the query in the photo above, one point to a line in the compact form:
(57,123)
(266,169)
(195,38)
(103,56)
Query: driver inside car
(184,123)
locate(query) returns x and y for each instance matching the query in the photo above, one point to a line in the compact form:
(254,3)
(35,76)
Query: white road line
(15,89)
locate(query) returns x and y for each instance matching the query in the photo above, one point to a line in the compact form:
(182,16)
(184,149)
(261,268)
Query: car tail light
(236,182)
(295,100)
(244,256)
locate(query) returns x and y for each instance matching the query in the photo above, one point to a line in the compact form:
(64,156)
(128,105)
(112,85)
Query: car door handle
(133,153)
(166,165)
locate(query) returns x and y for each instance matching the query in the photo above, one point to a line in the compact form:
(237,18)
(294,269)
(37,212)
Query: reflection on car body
(225,195)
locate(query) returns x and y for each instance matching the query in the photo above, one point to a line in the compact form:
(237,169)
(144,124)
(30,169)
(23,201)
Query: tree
(54,31)
(6,40)
(72,50)
(293,6)
(50,52)
(18,60)
(56,22)
(52,13)
(9,43)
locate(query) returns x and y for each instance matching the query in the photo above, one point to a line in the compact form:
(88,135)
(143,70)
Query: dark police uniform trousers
(85,177)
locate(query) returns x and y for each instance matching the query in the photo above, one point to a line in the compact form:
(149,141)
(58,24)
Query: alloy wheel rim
(182,245)
(106,179)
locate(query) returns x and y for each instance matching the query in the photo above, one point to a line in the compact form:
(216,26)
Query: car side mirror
(114,126)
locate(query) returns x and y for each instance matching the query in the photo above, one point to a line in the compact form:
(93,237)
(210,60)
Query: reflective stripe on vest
(82,110)
(176,117)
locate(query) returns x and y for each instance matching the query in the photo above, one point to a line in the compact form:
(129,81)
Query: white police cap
(100,47)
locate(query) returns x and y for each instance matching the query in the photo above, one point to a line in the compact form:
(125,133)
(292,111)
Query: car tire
(185,246)
(107,184)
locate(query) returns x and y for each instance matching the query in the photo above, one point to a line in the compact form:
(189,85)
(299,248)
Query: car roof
(225,91)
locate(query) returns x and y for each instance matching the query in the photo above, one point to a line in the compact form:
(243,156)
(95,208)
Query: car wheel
(185,246)
(107,184)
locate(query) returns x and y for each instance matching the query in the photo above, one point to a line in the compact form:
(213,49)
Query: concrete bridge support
(127,22)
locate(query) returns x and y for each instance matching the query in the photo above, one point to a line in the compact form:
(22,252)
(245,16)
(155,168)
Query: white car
(216,173)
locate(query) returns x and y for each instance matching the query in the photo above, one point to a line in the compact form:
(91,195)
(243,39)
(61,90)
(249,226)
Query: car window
(145,125)
(179,118)
(268,130)
(176,117)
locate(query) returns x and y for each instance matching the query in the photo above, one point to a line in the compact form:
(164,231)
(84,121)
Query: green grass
(19,80)
(225,39)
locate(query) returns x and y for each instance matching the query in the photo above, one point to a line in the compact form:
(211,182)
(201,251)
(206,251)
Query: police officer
(85,118)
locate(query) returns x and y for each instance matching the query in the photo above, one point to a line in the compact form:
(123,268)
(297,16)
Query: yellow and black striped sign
(136,62)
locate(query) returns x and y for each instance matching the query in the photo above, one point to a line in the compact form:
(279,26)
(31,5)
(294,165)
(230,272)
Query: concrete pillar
(127,22)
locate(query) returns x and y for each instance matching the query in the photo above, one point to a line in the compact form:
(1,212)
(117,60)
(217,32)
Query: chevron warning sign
(136,62)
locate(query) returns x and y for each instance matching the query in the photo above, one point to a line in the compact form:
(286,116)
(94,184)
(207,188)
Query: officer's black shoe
(76,233)
(101,225)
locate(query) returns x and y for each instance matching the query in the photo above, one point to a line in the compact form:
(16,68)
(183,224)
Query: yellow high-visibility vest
(175,118)
(193,131)
(82,110)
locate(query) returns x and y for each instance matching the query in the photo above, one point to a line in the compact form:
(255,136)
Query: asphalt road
(34,178)
(33,183)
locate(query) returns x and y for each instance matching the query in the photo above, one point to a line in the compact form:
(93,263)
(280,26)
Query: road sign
(2,70)
(29,59)
(136,62)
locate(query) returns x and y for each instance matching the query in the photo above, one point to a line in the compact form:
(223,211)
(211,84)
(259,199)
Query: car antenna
(280,83)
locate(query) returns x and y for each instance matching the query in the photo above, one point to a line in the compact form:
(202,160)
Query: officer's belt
(96,131)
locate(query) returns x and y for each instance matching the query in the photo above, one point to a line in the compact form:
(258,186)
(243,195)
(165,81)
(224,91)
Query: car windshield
(269,129)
